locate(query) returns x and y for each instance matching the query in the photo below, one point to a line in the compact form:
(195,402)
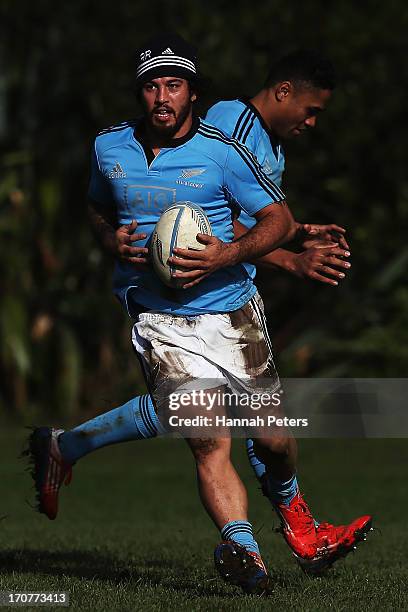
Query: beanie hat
(166,54)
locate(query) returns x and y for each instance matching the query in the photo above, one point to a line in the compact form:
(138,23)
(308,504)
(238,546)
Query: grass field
(131,533)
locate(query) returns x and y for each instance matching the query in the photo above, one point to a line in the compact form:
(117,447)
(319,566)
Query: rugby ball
(178,226)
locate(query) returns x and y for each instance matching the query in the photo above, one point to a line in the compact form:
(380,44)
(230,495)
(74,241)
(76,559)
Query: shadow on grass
(96,565)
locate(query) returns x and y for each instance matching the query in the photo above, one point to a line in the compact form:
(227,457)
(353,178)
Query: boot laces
(305,517)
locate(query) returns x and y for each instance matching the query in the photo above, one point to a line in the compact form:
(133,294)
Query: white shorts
(179,353)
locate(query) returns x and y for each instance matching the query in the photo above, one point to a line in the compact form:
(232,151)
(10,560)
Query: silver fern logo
(190,172)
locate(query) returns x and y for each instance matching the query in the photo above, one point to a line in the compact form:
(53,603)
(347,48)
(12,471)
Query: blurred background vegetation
(66,71)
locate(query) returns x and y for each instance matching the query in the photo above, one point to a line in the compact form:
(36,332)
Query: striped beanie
(166,54)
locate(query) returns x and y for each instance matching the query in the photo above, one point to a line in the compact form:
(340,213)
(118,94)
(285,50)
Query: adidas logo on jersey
(117,172)
(168,51)
(267,168)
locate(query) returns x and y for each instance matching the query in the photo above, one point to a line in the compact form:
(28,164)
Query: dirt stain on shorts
(254,349)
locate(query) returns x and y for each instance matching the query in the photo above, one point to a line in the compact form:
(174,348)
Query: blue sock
(277,491)
(281,491)
(134,420)
(241,533)
(258,467)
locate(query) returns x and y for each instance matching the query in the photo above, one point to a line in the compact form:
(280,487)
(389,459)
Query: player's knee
(276,445)
(209,450)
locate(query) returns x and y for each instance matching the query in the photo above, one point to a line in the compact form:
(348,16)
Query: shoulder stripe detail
(250,126)
(239,122)
(249,158)
(244,125)
(269,186)
(117,128)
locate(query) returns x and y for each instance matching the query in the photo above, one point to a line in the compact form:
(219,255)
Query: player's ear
(193,92)
(283,90)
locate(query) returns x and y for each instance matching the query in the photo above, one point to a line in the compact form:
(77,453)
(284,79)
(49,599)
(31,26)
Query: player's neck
(157,140)
(264,104)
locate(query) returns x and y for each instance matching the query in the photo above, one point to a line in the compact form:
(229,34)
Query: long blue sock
(281,491)
(277,491)
(241,533)
(134,420)
(258,467)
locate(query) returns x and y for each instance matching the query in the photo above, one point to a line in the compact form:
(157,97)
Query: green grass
(131,533)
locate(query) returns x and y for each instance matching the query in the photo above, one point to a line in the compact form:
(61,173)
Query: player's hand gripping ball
(177,227)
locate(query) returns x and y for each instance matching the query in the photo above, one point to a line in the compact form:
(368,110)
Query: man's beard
(167,132)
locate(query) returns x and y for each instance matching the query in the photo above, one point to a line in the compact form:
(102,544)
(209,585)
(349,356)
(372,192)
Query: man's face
(299,109)
(168,105)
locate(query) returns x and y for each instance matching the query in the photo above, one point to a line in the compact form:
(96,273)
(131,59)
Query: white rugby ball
(178,226)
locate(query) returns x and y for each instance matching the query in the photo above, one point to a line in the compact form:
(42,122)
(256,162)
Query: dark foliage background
(66,71)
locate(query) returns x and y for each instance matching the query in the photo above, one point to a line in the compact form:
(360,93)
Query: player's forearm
(279,259)
(104,226)
(273,229)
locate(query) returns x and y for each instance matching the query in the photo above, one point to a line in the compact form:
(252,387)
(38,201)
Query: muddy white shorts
(182,354)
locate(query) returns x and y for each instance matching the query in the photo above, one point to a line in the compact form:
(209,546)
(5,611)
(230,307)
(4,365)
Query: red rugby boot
(298,527)
(334,542)
(49,470)
(242,567)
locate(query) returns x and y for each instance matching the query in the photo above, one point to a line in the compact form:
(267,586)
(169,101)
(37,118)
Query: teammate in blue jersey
(279,111)
(141,168)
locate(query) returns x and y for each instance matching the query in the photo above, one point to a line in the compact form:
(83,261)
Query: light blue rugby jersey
(206,168)
(242,121)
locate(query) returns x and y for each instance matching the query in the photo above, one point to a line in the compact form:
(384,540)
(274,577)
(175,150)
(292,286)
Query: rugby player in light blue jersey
(279,111)
(141,168)
(295,92)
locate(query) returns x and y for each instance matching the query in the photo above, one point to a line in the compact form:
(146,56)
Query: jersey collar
(138,134)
